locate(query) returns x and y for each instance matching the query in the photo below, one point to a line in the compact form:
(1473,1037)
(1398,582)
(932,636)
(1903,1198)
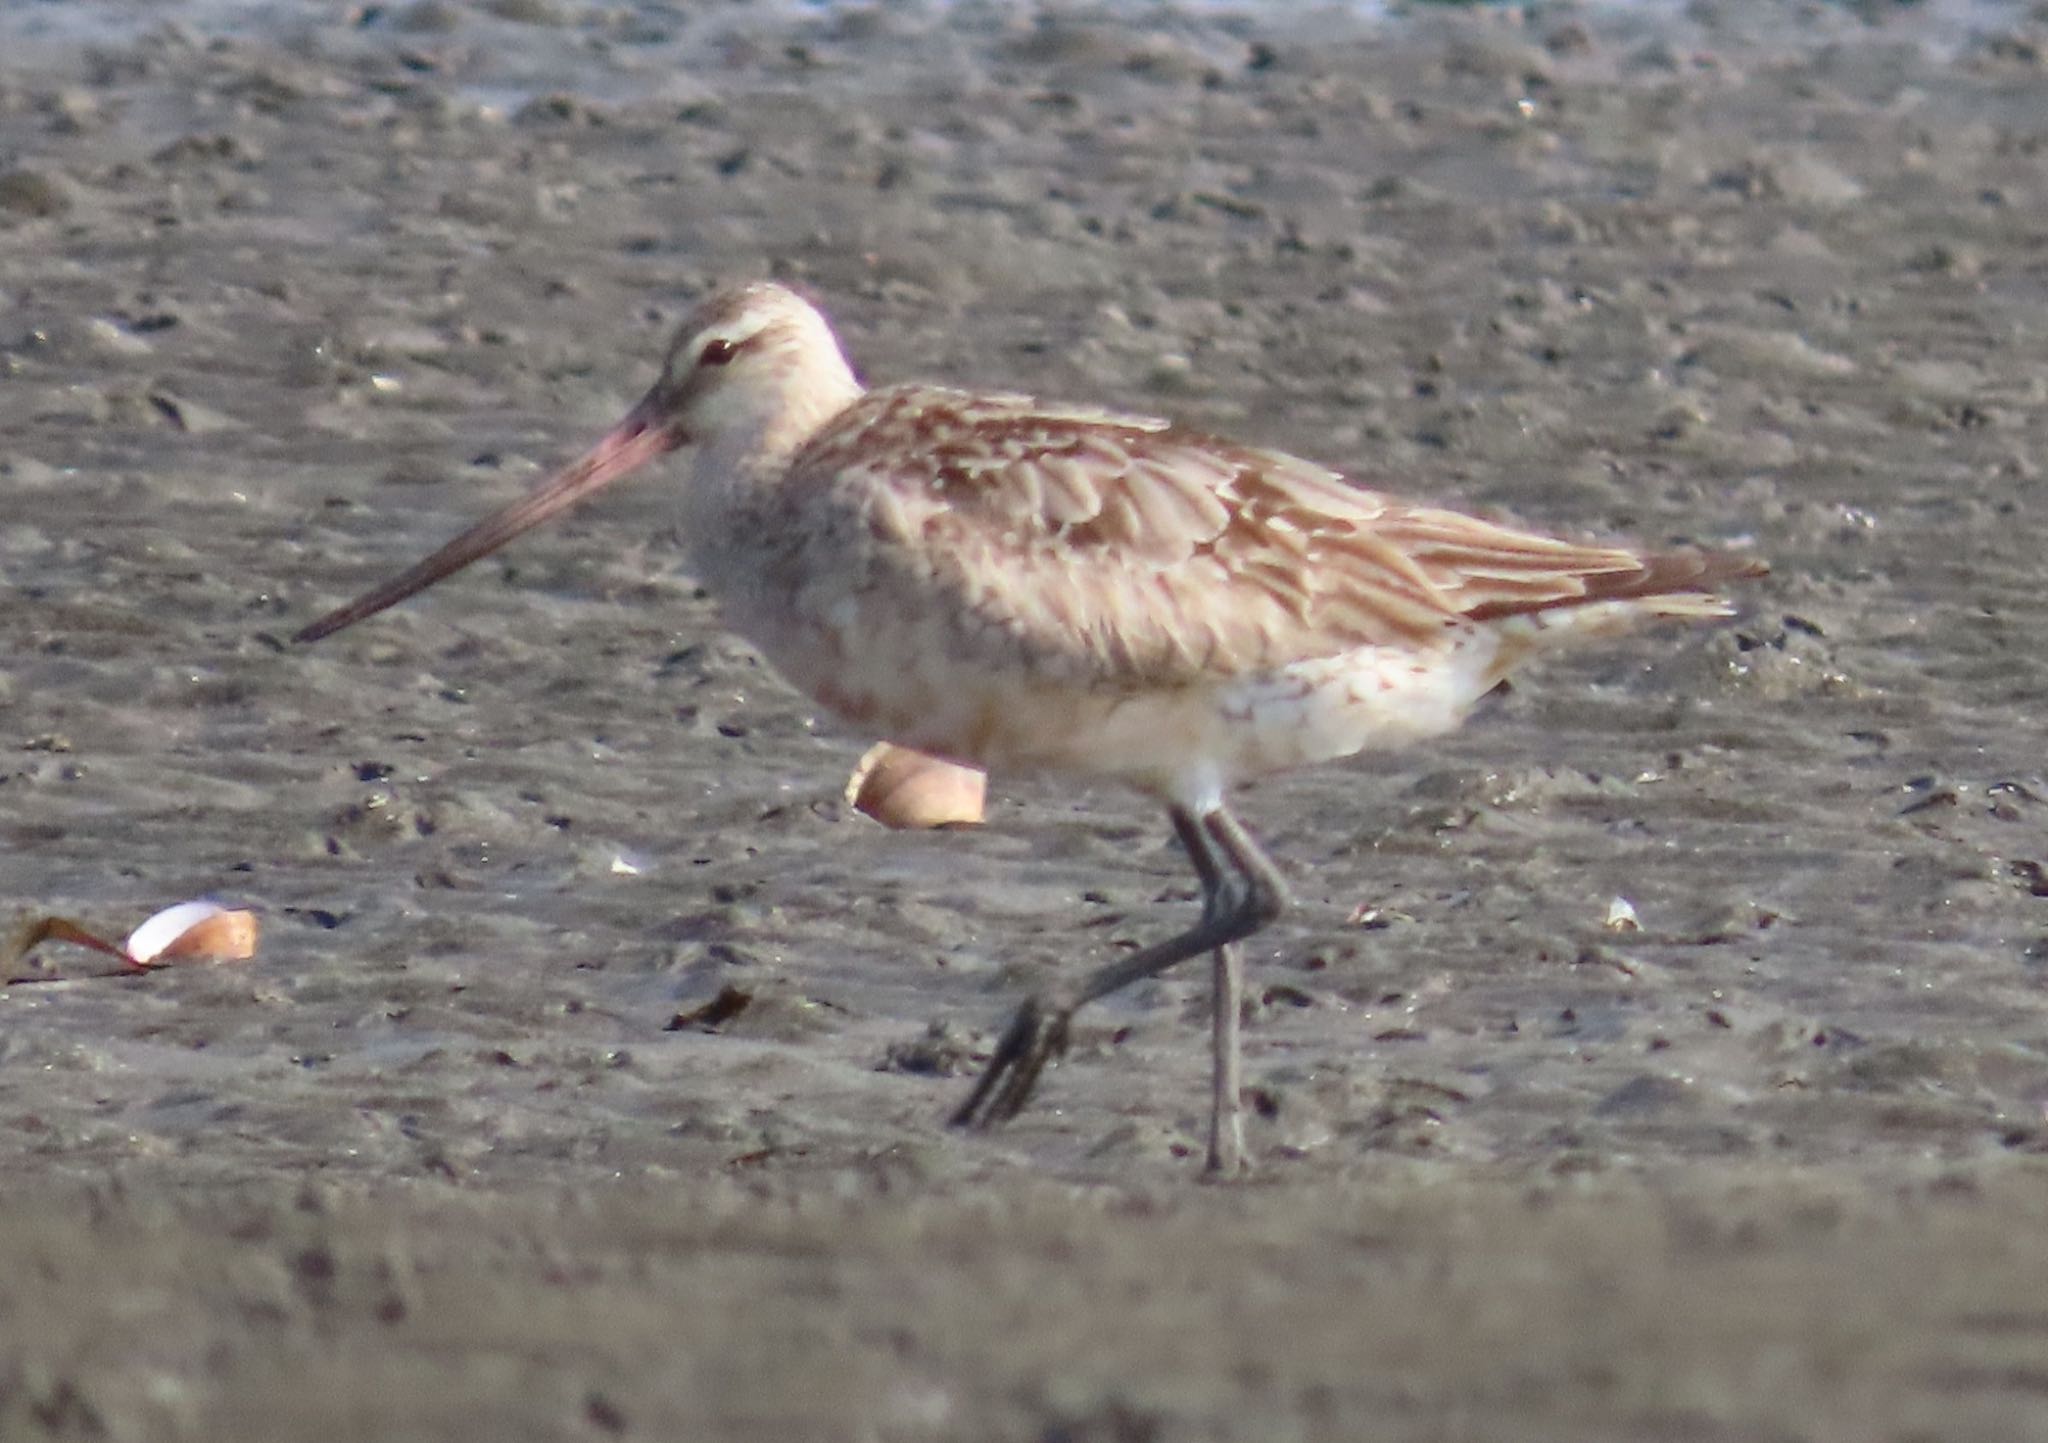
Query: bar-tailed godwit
(1015,584)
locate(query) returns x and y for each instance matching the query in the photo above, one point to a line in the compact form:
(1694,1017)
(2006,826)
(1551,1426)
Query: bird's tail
(1666,583)
(1670,583)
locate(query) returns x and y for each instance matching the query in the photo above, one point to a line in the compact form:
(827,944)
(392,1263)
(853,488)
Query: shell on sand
(194,929)
(909,790)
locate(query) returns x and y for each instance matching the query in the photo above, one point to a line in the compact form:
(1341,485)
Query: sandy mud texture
(462,1153)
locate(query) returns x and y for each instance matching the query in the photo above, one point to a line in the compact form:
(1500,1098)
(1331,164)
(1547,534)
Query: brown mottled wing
(1126,551)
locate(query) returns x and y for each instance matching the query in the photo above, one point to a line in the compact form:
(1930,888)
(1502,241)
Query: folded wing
(1126,551)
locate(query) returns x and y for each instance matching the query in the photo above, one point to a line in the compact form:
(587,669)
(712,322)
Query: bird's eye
(717,352)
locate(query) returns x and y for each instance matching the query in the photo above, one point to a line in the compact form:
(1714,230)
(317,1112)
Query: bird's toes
(1041,1034)
(1035,1036)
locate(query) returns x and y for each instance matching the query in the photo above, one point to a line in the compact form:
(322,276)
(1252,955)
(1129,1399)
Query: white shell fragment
(908,790)
(194,929)
(1621,916)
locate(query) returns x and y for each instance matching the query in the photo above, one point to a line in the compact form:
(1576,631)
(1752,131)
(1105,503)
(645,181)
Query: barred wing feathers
(1126,551)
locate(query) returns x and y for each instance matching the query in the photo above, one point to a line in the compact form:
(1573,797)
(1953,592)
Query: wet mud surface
(288,301)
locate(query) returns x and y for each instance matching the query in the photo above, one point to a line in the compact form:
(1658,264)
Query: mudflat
(591,1078)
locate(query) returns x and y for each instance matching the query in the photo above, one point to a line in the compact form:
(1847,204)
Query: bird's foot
(1227,1162)
(1035,1036)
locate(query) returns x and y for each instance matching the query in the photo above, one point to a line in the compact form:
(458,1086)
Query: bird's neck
(737,471)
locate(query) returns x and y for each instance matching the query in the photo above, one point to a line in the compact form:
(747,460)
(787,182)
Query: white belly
(1187,744)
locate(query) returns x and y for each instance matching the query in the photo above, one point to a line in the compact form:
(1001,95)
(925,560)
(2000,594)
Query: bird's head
(746,357)
(752,372)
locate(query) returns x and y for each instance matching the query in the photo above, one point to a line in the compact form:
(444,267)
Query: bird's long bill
(639,438)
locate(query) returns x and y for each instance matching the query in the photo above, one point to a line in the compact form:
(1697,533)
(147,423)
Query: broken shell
(1621,916)
(195,929)
(909,790)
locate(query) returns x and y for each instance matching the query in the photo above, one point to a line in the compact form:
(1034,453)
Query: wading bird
(1016,584)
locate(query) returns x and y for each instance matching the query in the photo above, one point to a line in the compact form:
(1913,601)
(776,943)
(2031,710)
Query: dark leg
(1226,1003)
(1242,892)
(1202,852)
(1226,1075)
